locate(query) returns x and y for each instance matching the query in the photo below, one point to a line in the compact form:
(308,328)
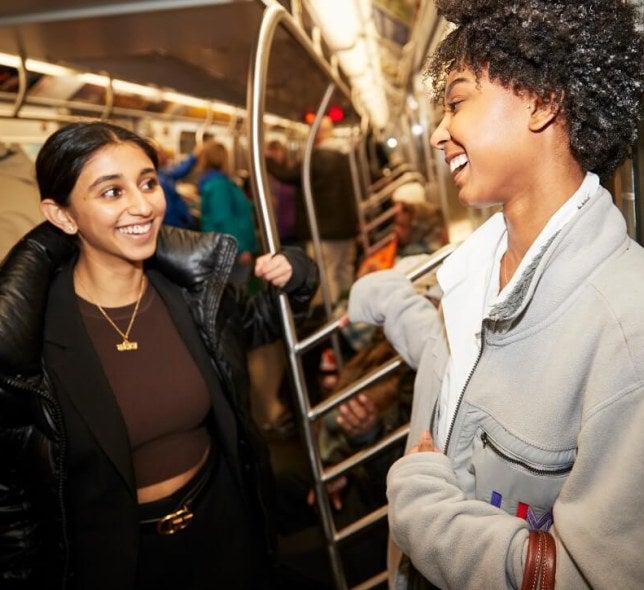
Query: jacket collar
(190,258)
(592,236)
(187,258)
(25,275)
(73,361)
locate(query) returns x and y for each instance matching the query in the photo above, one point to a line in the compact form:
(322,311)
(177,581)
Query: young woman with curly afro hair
(526,438)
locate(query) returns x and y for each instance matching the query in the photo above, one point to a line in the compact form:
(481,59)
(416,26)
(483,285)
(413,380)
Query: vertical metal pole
(312,217)
(273,15)
(22,86)
(357,194)
(308,196)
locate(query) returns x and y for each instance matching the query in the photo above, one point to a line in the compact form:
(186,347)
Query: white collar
(481,252)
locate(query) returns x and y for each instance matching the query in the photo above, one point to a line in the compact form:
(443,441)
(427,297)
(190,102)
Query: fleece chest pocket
(520,479)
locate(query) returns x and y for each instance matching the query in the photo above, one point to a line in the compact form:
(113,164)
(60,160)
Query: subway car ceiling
(192,60)
(202,49)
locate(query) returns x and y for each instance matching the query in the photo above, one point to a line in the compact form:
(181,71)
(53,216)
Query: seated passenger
(419,230)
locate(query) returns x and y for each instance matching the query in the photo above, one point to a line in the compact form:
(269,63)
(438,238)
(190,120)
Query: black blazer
(66,482)
(100,492)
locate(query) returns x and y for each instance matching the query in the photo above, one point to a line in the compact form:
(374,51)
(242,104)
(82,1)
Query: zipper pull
(484,439)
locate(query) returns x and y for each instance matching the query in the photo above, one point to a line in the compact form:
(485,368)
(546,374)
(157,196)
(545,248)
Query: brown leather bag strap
(541,562)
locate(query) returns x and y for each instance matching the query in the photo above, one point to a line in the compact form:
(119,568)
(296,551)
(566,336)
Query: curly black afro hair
(586,54)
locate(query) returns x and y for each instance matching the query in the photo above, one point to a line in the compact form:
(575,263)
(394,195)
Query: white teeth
(457,162)
(135,229)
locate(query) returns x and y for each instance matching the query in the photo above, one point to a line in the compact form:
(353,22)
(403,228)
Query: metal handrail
(363,455)
(393,173)
(22,86)
(377,197)
(372,582)
(104,10)
(276,15)
(337,398)
(380,219)
(434,261)
(380,242)
(361,524)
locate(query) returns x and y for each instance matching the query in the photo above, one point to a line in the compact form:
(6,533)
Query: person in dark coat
(128,458)
(334,203)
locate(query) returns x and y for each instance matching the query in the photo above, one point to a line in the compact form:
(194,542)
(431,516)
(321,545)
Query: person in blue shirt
(177,211)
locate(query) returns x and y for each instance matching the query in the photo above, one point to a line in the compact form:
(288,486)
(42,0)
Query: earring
(71,228)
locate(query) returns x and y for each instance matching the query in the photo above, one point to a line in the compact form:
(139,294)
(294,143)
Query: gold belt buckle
(175,521)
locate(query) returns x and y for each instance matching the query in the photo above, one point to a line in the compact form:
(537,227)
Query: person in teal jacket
(224,206)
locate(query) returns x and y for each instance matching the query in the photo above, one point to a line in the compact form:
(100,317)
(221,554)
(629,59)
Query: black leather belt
(181,516)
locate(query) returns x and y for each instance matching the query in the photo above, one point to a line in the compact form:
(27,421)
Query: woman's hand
(425,443)
(357,416)
(273,268)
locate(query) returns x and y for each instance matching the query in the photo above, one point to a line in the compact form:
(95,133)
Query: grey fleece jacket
(550,425)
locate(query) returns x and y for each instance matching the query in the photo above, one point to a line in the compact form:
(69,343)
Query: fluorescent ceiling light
(42,67)
(338,21)
(354,61)
(12,61)
(190,101)
(138,89)
(96,79)
(412,103)
(34,65)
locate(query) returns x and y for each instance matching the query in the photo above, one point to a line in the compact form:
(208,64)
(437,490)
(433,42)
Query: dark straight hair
(65,153)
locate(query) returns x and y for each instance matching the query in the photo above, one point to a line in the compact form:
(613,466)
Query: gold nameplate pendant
(127,345)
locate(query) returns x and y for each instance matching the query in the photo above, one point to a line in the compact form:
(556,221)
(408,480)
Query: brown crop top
(162,395)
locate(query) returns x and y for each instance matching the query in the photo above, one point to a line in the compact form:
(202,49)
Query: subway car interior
(247,72)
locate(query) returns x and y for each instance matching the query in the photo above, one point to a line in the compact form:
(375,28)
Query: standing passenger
(128,459)
(19,210)
(334,204)
(526,433)
(177,212)
(225,208)
(282,193)
(335,209)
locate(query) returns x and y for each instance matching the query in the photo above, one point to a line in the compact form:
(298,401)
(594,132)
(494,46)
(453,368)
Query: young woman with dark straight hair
(128,456)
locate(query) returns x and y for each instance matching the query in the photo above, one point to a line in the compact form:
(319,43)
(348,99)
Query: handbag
(539,572)
(540,563)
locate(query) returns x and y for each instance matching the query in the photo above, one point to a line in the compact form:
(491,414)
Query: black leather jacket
(33,443)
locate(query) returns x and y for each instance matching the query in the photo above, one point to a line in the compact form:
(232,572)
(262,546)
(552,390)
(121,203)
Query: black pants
(218,549)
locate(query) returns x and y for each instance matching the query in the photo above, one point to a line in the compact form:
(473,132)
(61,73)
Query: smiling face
(486,139)
(117,206)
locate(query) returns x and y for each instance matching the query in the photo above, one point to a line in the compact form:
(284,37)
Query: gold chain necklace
(504,267)
(127,344)
(504,270)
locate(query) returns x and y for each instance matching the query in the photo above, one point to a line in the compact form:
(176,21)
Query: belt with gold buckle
(175,521)
(180,518)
